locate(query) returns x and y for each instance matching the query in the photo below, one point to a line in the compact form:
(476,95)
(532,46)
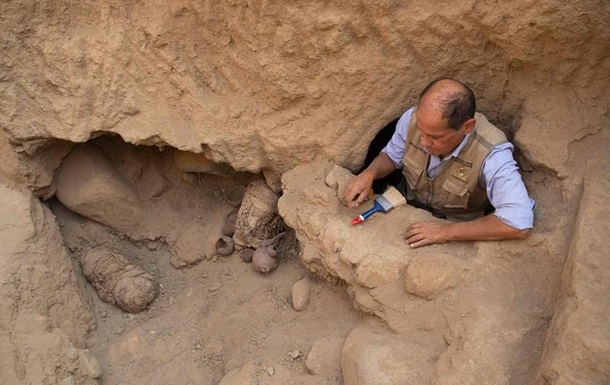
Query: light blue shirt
(499,176)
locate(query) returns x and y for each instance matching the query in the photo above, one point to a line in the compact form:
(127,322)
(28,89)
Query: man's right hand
(358,187)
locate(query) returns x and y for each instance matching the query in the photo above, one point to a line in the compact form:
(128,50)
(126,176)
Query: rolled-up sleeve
(395,149)
(505,188)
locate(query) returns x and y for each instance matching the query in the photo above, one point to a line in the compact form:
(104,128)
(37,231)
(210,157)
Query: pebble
(215,286)
(258,362)
(90,364)
(270,371)
(215,258)
(295,354)
(104,313)
(301,292)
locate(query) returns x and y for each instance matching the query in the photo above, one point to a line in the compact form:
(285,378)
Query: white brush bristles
(394,197)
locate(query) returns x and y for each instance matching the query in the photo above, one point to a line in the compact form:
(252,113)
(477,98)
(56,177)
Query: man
(455,163)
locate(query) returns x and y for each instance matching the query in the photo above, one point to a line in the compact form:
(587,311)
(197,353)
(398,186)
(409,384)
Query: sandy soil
(212,317)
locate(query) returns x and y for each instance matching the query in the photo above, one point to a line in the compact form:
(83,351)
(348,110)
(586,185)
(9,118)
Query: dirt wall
(270,85)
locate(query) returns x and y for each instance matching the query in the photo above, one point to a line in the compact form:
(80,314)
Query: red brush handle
(357,220)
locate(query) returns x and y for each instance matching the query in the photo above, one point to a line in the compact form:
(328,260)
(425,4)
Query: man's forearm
(487,228)
(380,167)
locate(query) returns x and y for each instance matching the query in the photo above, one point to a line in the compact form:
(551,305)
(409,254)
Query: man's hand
(357,188)
(426,233)
(487,228)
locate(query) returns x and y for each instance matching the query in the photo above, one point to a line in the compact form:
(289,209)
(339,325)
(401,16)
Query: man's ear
(468,125)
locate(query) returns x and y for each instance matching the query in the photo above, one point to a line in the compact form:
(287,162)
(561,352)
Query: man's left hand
(426,233)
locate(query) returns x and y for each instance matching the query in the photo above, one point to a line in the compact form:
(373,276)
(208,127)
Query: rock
(377,357)
(90,185)
(273,179)
(270,371)
(9,161)
(337,179)
(378,269)
(301,291)
(89,364)
(324,357)
(429,275)
(117,281)
(294,354)
(189,247)
(577,349)
(67,381)
(215,286)
(152,183)
(257,219)
(43,311)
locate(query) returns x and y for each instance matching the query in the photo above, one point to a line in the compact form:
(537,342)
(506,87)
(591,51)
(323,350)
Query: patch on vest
(463,163)
(461,172)
(420,149)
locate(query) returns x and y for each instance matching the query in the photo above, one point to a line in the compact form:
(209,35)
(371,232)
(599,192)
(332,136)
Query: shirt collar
(457,150)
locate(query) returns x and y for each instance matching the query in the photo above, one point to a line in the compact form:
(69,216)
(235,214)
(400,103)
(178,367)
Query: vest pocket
(457,195)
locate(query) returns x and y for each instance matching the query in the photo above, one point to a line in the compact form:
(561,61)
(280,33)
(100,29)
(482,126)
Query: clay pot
(231,217)
(264,259)
(225,245)
(246,255)
(257,220)
(228,230)
(236,195)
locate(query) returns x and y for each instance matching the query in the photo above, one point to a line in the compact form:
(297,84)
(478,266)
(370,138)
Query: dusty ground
(212,317)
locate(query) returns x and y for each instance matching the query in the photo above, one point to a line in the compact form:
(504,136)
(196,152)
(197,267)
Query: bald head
(452,99)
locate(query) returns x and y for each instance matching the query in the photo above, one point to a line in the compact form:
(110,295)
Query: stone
(324,358)
(190,248)
(273,179)
(577,349)
(43,311)
(301,291)
(337,179)
(429,275)
(215,287)
(90,185)
(9,161)
(89,364)
(377,357)
(380,268)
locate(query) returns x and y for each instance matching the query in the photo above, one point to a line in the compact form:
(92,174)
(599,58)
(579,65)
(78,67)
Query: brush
(387,201)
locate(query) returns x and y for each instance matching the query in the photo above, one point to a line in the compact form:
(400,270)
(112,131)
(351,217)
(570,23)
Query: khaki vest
(455,192)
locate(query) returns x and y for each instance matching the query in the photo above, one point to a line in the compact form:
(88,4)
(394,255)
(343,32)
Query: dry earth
(125,126)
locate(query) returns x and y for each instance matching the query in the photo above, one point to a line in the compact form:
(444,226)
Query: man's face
(436,135)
